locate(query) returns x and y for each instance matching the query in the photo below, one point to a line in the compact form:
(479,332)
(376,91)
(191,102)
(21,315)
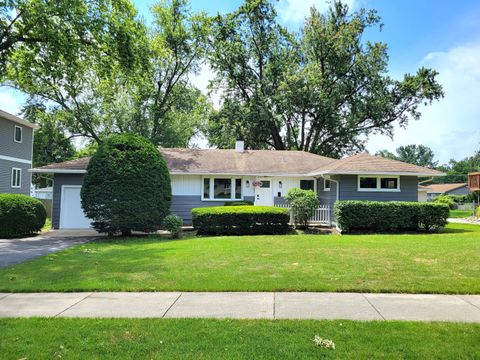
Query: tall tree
(50,144)
(420,155)
(323,90)
(107,72)
(73,54)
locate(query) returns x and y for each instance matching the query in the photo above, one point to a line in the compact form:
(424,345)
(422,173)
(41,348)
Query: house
(435,190)
(16,146)
(211,177)
(422,193)
(474,181)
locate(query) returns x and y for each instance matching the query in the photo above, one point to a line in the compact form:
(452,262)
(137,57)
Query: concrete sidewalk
(267,305)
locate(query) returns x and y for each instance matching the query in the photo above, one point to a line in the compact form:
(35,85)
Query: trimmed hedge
(240,220)
(389,216)
(20,215)
(127,186)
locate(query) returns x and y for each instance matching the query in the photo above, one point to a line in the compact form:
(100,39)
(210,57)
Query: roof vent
(239,146)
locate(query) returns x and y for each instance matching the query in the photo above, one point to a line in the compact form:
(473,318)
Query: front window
(368,182)
(326,185)
(389,183)
(17,135)
(16,178)
(222,189)
(378,183)
(307,184)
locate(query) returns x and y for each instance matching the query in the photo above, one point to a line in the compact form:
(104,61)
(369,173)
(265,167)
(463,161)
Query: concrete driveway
(13,251)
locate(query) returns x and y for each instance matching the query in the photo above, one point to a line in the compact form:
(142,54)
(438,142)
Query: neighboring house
(211,177)
(16,146)
(435,190)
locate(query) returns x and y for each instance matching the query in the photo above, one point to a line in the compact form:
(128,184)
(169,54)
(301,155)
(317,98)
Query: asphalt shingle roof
(264,162)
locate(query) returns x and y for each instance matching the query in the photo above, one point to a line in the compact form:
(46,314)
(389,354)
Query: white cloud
(451,126)
(10,100)
(297,10)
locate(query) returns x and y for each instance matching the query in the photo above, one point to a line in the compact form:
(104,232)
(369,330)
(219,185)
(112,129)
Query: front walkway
(268,305)
(13,251)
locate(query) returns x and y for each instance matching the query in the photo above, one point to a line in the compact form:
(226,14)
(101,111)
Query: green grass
(460,213)
(448,262)
(47,226)
(233,339)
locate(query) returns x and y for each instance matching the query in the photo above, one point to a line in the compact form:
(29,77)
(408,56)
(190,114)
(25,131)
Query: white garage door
(71,212)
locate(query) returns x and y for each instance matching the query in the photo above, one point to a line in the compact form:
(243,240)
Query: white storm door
(264,193)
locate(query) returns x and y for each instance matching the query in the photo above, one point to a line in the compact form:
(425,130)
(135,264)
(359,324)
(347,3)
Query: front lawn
(460,213)
(233,339)
(414,263)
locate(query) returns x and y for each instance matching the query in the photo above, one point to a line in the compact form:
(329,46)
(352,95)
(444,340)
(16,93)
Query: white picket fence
(321,215)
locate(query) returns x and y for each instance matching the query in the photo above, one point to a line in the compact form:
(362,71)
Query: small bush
(238,203)
(446,200)
(20,215)
(477,212)
(378,216)
(173,224)
(240,220)
(303,204)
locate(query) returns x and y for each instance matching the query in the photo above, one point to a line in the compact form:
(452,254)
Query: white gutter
(57,171)
(18,120)
(399,173)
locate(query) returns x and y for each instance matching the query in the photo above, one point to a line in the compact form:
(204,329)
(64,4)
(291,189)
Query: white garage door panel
(71,212)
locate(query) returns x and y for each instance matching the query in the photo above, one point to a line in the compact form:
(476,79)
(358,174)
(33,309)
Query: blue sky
(441,34)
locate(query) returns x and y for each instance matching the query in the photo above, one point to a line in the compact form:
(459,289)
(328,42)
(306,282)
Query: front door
(264,193)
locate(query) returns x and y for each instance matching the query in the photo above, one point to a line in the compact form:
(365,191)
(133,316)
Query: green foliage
(392,216)
(322,89)
(50,144)
(303,204)
(173,224)
(75,55)
(240,220)
(238,203)
(420,155)
(445,200)
(127,186)
(477,212)
(20,215)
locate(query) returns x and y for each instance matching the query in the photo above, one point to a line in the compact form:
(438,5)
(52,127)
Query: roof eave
(355,172)
(57,171)
(18,120)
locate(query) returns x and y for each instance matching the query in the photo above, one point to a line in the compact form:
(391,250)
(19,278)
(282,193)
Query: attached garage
(67,212)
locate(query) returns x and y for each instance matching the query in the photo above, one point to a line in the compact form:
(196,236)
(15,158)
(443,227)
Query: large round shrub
(20,215)
(127,186)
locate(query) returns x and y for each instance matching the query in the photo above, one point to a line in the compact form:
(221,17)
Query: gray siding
(6,177)
(8,147)
(327,197)
(182,205)
(408,190)
(58,181)
(460,191)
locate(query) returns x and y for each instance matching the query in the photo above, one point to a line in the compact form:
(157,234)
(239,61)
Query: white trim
(16,119)
(325,184)
(212,187)
(58,171)
(10,158)
(15,127)
(208,174)
(354,172)
(19,178)
(378,180)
